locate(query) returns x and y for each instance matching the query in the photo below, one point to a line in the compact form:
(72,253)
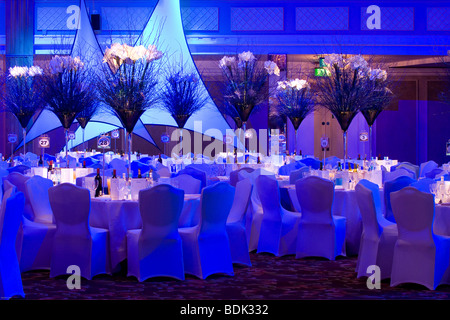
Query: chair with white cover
(195,173)
(75,242)
(392,186)
(423,184)
(236,223)
(10,219)
(426,167)
(320,234)
(206,248)
(18,180)
(255,216)
(234,175)
(420,256)
(279,227)
(401,172)
(3,173)
(37,236)
(407,165)
(297,174)
(379,234)
(156,250)
(189,184)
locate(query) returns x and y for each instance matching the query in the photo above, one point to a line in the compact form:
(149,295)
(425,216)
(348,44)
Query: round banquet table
(119,216)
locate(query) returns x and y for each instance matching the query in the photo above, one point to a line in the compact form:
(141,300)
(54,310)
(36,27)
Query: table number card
(40,171)
(67,175)
(82,172)
(136,186)
(116,185)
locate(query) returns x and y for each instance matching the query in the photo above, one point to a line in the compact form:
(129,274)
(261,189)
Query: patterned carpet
(270,278)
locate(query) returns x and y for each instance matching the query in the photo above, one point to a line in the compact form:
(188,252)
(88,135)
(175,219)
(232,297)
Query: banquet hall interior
(224,150)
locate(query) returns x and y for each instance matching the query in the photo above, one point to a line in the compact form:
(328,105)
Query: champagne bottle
(98,182)
(139,174)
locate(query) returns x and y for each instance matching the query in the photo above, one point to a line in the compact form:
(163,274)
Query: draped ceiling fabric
(165,29)
(86,47)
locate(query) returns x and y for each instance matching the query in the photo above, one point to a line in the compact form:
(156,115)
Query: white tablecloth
(442,220)
(120,216)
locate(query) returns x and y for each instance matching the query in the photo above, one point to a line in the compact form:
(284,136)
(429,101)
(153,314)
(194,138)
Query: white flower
(18,71)
(56,65)
(77,63)
(34,71)
(357,61)
(246,56)
(226,62)
(298,84)
(272,68)
(333,59)
(152,54)
(378,74)
(282,85)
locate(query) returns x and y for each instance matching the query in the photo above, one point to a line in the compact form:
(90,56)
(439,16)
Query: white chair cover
(19,180)
(234,175)
(156,250)
(206,248)
(423,184)
(36,236)
(320,234)
(189,184)
(378,236)
(392,186)
(236,223)
(279,226)
(412,167)
(10,219)
(254,219)
(297,174)
(3,173)
(75,242)
(426,167)
(163,172)
(389,176)
(420,256)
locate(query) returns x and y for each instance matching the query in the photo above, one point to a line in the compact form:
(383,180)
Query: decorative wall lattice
(392,18)
(438,19)
(51,18)
(321,18)
(200,18)
(125,18)
(257,19)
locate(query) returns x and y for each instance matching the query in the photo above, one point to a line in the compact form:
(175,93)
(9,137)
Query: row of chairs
(406,249)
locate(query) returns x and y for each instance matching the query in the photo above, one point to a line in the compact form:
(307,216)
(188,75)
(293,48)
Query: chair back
(269,194)
(392,186)
(163,172)
(216,203)
(241,201)
(389,176)
(367,195)
(234,175)
(414,213)
(37,189)
(297,174)
(412,167)
(189,184)
(426,167)
(423,184)
(311,162)
(160,208)
(195,173)
(71,207)
(315,196)
(434,173)
(22,169)
(10,220)
(287,169)
(19,181)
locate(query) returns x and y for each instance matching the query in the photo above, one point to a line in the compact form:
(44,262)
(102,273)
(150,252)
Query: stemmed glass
(434,191)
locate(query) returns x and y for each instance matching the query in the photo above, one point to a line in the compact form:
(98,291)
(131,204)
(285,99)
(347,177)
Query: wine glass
(434,191)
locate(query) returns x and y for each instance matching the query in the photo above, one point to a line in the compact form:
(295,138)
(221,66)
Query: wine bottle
(321,166)
(259,159)
(114,174)
(50,166)
(40,163)
(150,175)
(159,158)
(359,157)
(139,174)
(98,182)
(339,166)
(84,164)
(138,156)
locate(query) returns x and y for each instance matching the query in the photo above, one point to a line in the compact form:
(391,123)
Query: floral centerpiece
(182,96)
(342,91)
(129,84)
(244,85)
(378,85)
(22,96)
(67,90)
(295,101)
